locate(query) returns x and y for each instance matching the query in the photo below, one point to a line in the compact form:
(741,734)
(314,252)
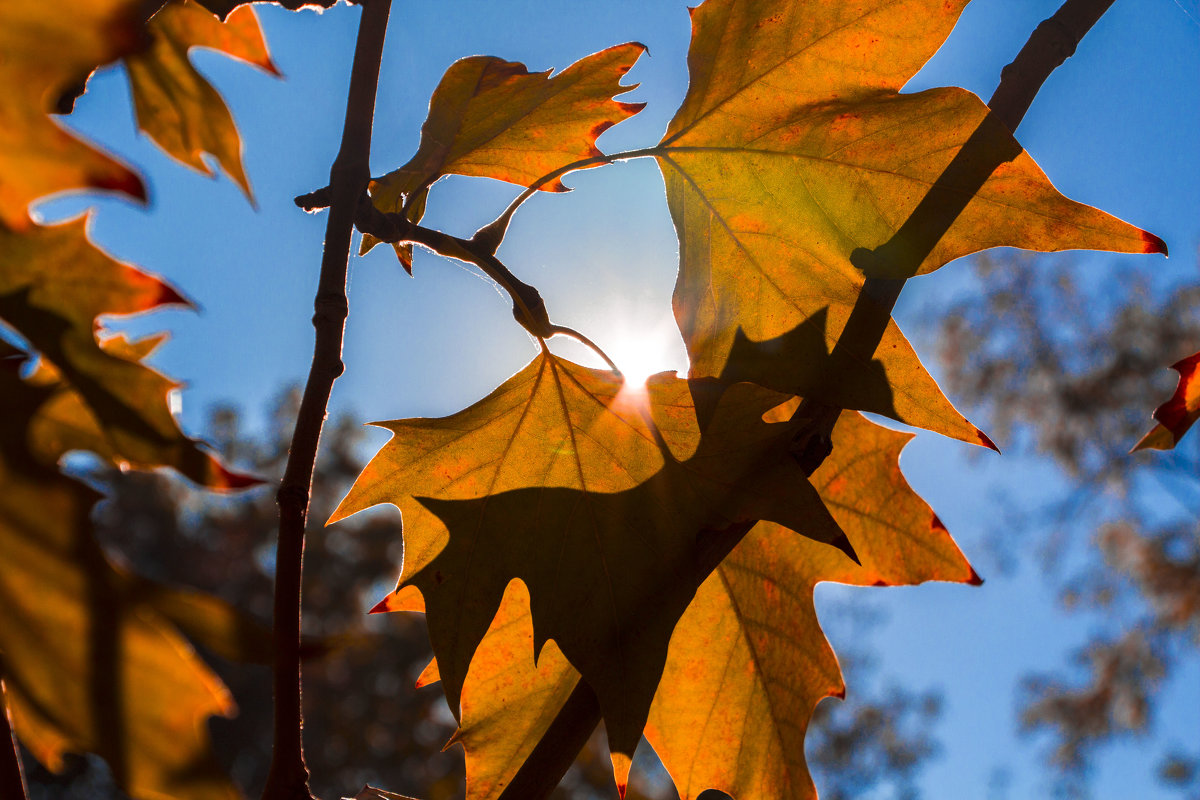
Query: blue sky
(1115,127)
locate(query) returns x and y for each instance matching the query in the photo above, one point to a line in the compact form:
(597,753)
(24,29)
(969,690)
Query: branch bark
(348,177)
(1051,43)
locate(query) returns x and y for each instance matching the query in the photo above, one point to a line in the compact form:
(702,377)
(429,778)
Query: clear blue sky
(1116,127)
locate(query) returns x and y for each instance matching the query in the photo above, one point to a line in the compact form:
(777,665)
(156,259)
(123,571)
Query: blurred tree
(1070,369)
(364,721)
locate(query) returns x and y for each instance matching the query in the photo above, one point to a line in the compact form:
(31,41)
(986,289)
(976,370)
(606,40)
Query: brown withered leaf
(594,497)
(93,656)
(795,167)
(175,105)
(1179,412)
(54,285)
(45,55)
(747,662)
(492,118)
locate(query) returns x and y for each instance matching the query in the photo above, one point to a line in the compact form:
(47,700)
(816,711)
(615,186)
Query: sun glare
(640,353)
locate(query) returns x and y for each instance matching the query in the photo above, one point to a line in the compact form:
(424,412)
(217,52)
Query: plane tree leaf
(94,661)
(175,105)
(597,501)
(492,118)
(1177,414)
(795,167)
(54,284)
(747,662)
(45,56)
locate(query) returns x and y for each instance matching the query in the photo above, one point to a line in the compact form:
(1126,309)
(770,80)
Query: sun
(640,352)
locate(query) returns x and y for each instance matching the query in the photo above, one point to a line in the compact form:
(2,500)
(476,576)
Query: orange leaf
(54,284)
(48,52)
(93,660)
(794,167)
(747,662)
(494,119)
(1176,415)
(175,105)
(560,479)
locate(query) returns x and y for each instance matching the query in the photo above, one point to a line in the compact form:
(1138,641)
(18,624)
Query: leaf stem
(1048,47)
(563,330)
(12,780)
(494,231)
(288,776)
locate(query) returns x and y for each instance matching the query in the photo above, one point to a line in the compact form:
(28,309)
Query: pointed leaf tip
(124,182)
(1153,244)
(381,607)
(986,440)
(975,579)
(621,764)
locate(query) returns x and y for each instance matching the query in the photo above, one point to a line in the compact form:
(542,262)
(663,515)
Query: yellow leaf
(93,660)
(794,167)
(748,661)
(561,479)
(494,119)
(175,105)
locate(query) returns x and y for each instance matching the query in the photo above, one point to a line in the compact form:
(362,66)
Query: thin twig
(1048,47)
(563,330)
(288,776)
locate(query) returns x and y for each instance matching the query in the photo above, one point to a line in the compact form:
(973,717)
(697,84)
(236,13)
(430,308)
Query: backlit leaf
(54,284)
(559,478)
(94,662)
(747,662)
(45,55)
(1176,415)
(494,119)
(794,167)
(175,105)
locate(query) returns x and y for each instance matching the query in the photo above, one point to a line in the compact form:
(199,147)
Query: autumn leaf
(747,662)
(94,661)
(54,284)
(1177,414)
(795,167)
(593,497)
(223,8)
(491,118)
(46,55)
(175,105)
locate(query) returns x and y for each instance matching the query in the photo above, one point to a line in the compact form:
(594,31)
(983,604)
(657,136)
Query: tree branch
(1048,47)
(288,776)
(1050,44)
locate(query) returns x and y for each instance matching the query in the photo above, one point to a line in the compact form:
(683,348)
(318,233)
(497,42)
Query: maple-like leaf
(747,662)
(597,500)
(492,118)
(795,167)
(54,284)
(93,657)
(48,51)
(175,105)
(1178,413)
